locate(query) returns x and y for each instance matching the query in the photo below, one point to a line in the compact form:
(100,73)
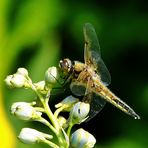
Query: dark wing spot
(79,111)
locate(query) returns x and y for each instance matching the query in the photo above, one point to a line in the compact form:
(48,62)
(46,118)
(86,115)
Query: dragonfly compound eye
(65,65)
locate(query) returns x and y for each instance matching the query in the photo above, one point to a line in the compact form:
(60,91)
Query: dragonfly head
(66,65)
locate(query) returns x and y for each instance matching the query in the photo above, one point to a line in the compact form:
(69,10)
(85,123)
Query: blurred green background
(36,34)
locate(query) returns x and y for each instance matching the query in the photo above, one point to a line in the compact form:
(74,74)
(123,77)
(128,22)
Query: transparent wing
(78,88)
(96,104)
(95,101)
(92,55)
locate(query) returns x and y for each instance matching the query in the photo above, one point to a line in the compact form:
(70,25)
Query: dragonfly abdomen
(105,93)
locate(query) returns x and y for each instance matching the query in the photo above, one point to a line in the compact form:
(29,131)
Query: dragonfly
(91,78)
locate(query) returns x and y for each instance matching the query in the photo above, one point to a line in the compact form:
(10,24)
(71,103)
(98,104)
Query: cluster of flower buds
(78,110)
(19,79)
(58,124)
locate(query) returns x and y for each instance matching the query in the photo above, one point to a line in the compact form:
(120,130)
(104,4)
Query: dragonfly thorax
(78,66)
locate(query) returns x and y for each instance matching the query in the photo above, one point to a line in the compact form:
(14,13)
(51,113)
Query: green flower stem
(45,122)
(34,89)
(57,129)
(44,101)
(51,115)
(45,105)
(60,136)
(40,109)
(51,144)
(69,129)
(47,109)
(56,113)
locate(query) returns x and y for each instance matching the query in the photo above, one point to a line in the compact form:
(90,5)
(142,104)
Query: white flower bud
(51,75)
(41,87)
(32,136)
(68,102)
(22,71)
(61,121)
(25,111)
(79,112)
(19,81)
(8,81)
(82,139)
